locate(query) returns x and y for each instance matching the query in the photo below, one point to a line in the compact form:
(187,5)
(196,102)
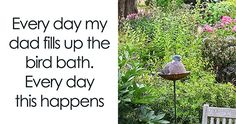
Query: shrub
(134,97)
(191,95)
(219,49)
(221,53)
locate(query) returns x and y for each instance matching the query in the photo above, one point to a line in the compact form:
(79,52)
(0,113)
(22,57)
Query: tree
(126,7)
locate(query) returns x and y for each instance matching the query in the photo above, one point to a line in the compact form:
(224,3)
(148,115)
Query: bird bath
(174,78)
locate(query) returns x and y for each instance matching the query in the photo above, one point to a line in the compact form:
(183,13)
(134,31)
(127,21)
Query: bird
(175,66)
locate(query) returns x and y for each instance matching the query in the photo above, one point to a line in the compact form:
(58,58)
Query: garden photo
(177,61)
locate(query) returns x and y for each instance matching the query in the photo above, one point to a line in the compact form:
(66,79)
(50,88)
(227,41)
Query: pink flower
(226,20)
(208,28)
(234,28)
(132,16)
(235,20)
(222,24)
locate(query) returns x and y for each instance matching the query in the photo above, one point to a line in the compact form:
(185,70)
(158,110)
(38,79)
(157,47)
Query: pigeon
(175,66)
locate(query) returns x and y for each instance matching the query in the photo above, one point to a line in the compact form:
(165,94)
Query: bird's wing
(177,68)
(166,69)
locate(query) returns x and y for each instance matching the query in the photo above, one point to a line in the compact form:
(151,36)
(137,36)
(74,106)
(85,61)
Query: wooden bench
(216,115)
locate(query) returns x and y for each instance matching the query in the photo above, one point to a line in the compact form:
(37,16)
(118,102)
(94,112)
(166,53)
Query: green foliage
(214,11)
(191,95)
(219,49)
(220,52)
(145,45)
(232,2)
(164,3)
(148,116)
(155,40)
(134,97)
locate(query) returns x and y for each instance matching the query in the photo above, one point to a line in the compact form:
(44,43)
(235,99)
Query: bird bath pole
(174,78)
(175,99)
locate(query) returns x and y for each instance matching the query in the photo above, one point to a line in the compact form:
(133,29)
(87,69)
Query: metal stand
(175,100)
(174,78)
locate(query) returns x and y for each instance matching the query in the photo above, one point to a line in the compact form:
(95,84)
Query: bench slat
(212,120)
(230,121)
(221,112)
(217,120)
(224,121)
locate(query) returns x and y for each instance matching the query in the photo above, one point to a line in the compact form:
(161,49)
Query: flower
(234,28)
(132,16)
(227,24)
(226,20)
(222,24)
(208,28)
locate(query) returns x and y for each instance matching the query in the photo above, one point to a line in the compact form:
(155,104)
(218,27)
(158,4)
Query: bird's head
(176,58)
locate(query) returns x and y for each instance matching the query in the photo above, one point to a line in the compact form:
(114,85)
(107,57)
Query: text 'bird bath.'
(174,70)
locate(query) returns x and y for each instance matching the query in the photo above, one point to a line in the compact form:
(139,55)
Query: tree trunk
(126,7)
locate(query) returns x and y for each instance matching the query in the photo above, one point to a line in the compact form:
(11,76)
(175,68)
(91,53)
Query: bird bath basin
(174,77)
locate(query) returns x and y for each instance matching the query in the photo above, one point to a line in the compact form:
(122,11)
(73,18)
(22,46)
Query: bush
(191,95)
(221,53)
(134,97)
(219,49)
